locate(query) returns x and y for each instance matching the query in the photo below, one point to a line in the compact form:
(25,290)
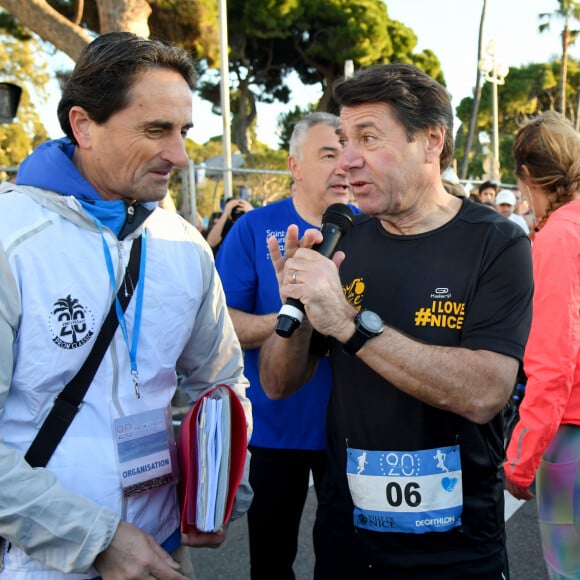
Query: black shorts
(339,558)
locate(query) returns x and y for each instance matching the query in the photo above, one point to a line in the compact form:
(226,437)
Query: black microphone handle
(290,317)
(291,314)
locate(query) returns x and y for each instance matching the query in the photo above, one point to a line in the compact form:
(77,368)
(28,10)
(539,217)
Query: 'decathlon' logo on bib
(71,324)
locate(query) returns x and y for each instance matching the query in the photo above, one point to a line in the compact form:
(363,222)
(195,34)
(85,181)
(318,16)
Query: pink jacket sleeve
(551,355)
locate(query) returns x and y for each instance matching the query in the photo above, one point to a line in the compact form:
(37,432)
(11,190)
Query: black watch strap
(367,325)
(354,343)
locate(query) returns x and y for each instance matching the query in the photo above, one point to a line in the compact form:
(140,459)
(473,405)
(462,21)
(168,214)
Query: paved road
(231,560)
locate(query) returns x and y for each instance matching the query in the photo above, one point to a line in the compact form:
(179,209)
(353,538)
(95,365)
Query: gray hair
(304,125)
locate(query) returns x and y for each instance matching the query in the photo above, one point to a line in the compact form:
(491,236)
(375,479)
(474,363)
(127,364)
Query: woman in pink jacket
(545,444)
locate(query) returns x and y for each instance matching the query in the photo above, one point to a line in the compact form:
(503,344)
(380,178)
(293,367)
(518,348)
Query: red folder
(188,453)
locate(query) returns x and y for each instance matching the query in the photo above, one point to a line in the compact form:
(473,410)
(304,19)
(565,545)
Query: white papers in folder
(213,444)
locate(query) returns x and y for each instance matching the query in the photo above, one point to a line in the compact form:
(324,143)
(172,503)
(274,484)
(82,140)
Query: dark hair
(105,71)
(488,185)
(418,101)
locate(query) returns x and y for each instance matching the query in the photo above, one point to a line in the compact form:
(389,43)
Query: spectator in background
(67,228)
(522,208)
(545,444)
(234,208)
(505,202)
(487,192)
(288,440)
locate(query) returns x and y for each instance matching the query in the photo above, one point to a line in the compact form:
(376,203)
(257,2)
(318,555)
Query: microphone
(336,221)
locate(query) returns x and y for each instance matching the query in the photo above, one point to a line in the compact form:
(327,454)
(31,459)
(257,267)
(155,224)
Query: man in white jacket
(66,231)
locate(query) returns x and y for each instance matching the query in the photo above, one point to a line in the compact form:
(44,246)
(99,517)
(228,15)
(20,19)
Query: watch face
(371,321)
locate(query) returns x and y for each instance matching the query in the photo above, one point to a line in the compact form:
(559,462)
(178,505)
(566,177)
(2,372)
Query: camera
(236,213)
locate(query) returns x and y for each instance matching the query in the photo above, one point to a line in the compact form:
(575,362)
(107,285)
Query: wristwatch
(368,324)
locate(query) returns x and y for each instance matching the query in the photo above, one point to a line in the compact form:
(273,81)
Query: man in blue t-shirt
(288,438)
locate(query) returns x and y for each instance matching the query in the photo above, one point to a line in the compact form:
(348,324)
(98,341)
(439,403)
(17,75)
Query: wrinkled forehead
(357,118)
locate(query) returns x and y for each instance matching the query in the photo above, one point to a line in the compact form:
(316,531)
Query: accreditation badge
(145,450)
(412,492)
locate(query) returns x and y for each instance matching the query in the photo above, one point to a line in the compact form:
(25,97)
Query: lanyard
(132,348)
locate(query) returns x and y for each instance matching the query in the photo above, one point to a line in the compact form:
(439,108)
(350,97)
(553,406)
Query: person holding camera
(233,209)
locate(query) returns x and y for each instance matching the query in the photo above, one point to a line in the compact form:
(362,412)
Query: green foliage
(286,122)
(22,63)
(269,40)
(528,90)
(9,25)
(193,24)
(264,186)
(332,31)
(567,10)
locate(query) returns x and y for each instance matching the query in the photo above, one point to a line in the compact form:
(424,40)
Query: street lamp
(9,99)
(495,74)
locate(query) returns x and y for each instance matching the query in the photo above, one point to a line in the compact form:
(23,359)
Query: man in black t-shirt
(425,310)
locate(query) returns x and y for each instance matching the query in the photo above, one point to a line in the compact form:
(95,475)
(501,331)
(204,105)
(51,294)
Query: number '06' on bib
(411,492)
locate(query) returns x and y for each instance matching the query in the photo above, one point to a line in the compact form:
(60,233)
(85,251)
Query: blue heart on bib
(449,483)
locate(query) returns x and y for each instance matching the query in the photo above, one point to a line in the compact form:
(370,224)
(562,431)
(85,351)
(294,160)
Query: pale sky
(448,27)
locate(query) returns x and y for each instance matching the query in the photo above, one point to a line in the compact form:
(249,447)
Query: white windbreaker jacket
(54,295)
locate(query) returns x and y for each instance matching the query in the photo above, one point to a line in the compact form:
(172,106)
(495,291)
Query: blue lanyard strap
(132,348)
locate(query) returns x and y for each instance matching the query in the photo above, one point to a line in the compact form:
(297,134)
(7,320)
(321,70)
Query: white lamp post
(225,99)
(495,74)
(348,68)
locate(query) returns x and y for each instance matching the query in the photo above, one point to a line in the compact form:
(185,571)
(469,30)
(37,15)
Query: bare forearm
(252,329)
(286,364)
(472,383)
(214,236)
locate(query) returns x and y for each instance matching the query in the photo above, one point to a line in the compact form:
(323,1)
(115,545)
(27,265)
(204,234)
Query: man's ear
(293,167)
(80,123)
(435,141)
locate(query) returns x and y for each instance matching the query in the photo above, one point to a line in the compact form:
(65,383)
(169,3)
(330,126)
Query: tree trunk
(124,15)
(564,73)
(244,118)
(326,98)
(476,99)
(50,25)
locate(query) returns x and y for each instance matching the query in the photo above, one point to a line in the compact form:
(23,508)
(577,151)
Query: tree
(528,90)
(476,98)
(268,41)
(22,63)
(70,26)
(567,11)
(312,38)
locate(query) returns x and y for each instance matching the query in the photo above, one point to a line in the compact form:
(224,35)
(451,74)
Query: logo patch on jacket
(71,324)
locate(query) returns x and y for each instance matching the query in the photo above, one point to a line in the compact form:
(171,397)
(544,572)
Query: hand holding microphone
(336,222)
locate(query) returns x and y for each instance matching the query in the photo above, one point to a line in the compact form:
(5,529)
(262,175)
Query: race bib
(411,492)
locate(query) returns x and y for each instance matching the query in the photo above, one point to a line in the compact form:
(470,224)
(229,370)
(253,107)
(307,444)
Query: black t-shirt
(466,284)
